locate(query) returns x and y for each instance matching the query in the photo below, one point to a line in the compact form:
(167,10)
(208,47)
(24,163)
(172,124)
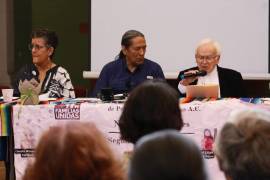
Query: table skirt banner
(31,121)
(202,122)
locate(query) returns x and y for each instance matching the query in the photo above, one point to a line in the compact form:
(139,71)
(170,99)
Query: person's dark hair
(126,39)
(50,37)
(74,151)
(166,155)
(243,146)
(151,106)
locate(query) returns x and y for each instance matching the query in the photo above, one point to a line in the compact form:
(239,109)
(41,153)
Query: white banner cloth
(201,121)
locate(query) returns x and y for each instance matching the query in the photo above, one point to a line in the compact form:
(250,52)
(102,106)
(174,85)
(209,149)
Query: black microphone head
(198,73)
(201,73)
(106,94)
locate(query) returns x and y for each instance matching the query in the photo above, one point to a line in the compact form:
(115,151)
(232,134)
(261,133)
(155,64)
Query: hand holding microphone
(190,76)
(193,74)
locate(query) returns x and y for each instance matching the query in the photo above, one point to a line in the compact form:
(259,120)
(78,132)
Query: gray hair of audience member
(214,43)
(126,39)
(166,155)
(243,146)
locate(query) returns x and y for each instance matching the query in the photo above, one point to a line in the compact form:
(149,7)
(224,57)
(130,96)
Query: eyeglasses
(37,47)
(207,58)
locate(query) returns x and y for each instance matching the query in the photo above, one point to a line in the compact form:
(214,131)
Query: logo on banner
(207,143)
(67,112)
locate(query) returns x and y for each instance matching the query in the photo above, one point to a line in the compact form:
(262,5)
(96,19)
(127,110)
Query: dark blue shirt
(117,76)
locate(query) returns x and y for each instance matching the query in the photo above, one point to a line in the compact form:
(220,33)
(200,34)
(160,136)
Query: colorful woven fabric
(5,114)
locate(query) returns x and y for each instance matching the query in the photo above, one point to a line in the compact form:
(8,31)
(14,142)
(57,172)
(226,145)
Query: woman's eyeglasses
(35,46)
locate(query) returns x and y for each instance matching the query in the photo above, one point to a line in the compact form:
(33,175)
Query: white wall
(173,27)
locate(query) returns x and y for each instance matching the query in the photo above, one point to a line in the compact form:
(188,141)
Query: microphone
(198,73)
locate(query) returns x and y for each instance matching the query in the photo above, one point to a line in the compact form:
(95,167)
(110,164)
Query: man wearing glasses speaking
(207,56)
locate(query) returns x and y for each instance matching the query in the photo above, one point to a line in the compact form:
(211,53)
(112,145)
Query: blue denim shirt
(117,76)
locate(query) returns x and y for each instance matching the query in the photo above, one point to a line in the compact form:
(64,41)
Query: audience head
(243,146)
(43,40)
(133,47)
(74,151)
(207,54)
(151,106)
(166,155)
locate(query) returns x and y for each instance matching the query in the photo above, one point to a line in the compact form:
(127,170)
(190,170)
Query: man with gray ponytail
(130,68)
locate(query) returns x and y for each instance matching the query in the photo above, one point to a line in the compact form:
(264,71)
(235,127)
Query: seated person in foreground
(74,151)
(150,107)
(54,79)
(243,145)
(207,57)
(130,68)
(166,155)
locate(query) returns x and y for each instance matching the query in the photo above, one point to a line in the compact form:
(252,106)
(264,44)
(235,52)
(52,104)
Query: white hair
(239,115)
(210,41)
